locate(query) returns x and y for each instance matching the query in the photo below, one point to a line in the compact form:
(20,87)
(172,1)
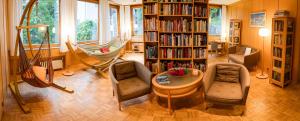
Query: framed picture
(257,19)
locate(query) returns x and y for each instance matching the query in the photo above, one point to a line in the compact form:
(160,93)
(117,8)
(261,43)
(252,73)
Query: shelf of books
(235,32)
(180,39)
(282,50)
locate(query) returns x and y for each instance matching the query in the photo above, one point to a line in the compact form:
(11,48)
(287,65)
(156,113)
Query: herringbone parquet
(93,101)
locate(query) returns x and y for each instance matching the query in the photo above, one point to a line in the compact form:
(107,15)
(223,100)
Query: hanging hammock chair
(35,66)
(114,48)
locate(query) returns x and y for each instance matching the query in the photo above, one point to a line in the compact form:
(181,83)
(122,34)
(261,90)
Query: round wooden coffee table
(179,86)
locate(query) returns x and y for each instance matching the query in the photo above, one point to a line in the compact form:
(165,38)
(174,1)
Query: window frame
(98,24)
(118,15)
(53,45)
(131,17)
(214,6)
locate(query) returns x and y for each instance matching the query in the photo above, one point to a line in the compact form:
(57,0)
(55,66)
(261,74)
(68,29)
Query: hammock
(35,66)
(106,58)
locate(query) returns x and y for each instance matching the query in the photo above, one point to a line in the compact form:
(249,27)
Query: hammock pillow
(104,50)
(40,72)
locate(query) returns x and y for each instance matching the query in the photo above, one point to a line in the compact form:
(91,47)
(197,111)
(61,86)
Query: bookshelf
(179,37)
(282,50)
(235,32)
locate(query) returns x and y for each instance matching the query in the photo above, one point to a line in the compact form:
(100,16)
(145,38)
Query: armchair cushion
(225,92)
(132,87)
(124,70)
(228,73)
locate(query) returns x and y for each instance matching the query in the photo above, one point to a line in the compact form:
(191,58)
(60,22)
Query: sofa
(226,83)
(236,54)
(130,79)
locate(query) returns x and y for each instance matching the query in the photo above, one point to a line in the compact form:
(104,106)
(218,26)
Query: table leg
(169,103)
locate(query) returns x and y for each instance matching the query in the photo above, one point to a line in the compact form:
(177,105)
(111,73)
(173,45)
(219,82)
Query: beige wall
(242,10)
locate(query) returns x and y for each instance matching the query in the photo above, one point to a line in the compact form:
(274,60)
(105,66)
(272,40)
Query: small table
(179,86)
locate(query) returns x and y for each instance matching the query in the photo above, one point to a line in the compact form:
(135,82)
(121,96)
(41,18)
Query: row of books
(200,66)
(150,24)
(176,40)
(166,65)
(277,52)
(276,76)
(179,25)
(176,9)
(200,11)
(290,27)
(278,26)
(278,39)
(200,40)
(175,1)
(150,9)
(176,53)
(150,36)
(199,53)
(152,66)
(200,26)
(277,63)
(151,51)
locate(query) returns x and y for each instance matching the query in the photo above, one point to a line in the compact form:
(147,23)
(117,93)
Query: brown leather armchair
(236,55)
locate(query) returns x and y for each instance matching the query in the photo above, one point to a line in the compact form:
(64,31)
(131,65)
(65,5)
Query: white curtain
(127,25)
(67,13)
(224,22)
(14,8)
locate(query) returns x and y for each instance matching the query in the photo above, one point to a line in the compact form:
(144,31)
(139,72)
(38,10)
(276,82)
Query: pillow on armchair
(124,70)
(226,73)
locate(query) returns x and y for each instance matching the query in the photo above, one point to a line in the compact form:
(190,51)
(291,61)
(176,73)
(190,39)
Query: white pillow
(247,51)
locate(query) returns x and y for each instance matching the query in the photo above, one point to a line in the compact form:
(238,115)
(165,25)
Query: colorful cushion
(228,73)
(104,50)
(124,70)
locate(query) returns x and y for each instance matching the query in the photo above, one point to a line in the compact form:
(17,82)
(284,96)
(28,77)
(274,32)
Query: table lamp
(263,32)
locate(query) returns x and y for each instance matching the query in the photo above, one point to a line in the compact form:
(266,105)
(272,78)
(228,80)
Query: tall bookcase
(180,35)
(283,29)
(235,31)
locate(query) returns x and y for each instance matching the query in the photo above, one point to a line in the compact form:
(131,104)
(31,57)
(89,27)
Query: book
(200,25)
(200,11)
(199,53)
(200,66)
(176,9)
(150,9)
(166,40)
(182,40)
(200,40)
(176,53)
(150,24)
(151,52)
(166,65)
(177,25)
(150,36)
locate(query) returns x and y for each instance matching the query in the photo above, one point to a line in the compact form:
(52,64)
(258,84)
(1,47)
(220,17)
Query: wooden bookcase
(235,32)
(180,36)
(283,37)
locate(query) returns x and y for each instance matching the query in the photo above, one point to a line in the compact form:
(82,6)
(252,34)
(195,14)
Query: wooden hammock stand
(36,67)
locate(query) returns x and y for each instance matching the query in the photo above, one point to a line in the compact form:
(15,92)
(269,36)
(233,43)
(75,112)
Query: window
(45,12)
(114,21)
(86,21)
(215,24)
(137,20)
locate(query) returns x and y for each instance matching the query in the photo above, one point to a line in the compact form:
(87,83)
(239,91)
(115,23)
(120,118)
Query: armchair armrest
(232,50)
(245,83)
(209,77)
(143,72)
(114,81)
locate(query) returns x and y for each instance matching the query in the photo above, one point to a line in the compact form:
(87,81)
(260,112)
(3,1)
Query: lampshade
(263,32)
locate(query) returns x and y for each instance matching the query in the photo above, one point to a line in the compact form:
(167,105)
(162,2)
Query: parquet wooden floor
(93,101)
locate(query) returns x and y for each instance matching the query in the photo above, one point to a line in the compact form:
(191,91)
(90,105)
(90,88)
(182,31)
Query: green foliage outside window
(46,12)
(137,21)
(86,30)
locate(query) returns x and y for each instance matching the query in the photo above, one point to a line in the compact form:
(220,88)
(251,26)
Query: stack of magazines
(162,79)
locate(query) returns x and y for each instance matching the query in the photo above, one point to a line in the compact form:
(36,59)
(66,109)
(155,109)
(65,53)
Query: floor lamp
(263,32)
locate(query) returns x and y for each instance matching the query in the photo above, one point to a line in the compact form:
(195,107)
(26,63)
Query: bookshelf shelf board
(200,17)
(198,2)
(177,59)
(279,46)
(202,46)
(150,30)
(200,58)
(176,46)
(277,58)
(277,69)
(150,14)
(175,32)
(150,2)
(200,32)
(176,2)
